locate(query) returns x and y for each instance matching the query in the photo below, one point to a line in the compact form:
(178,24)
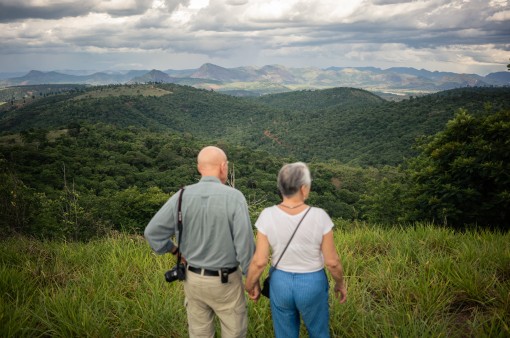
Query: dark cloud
(139,7)
(171,5)
(22,9)
(19,11)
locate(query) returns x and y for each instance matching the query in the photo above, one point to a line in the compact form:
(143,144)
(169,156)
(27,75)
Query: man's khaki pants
(206,296)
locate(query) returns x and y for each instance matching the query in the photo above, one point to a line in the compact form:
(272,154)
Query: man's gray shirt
(217,231)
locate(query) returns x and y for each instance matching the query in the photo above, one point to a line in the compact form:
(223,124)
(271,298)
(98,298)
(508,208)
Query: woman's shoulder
(270,209)
(321,214)
(318,211)
(267,211)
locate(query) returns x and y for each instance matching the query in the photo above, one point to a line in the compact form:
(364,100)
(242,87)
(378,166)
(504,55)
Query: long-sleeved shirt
(217,230)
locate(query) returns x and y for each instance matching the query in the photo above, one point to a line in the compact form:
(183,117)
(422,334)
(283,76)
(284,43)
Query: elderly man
(217,238)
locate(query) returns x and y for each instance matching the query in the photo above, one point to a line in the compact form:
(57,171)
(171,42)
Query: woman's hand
(334,266)
(254,293)
(341,292)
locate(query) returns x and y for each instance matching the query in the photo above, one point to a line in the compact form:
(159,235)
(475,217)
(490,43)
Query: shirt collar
(210,179)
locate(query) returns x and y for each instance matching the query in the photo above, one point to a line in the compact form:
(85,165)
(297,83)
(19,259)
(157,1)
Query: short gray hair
(292,177)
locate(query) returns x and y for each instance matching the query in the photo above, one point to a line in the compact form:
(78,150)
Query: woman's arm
(257,266)
(334,265)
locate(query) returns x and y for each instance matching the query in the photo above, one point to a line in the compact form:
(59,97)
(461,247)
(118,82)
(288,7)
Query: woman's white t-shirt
(304,252)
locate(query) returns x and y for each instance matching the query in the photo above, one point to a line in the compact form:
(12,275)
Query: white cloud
(232,32)
(498,3)
(501,16)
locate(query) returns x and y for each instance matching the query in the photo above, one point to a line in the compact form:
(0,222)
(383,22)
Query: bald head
(212,161)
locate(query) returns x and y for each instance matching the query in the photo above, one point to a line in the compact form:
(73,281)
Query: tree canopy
(462,173)
(352,126)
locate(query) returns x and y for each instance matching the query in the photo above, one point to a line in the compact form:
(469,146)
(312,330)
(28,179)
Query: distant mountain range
(276,78)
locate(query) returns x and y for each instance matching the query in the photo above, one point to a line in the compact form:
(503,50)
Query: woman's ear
(305,190)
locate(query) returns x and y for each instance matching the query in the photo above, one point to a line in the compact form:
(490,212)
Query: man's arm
(257,266)
(162,226)
(244,242)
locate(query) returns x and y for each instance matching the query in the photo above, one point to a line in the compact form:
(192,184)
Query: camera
(178,272)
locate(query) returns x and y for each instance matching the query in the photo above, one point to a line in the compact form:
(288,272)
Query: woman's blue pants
(299,294)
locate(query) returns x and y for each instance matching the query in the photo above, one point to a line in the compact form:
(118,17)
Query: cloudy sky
(464,36)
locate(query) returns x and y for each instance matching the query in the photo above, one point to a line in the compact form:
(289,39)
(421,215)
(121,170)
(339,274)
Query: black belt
(209,272)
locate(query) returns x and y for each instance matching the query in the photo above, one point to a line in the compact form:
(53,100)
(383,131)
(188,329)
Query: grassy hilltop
(421,281)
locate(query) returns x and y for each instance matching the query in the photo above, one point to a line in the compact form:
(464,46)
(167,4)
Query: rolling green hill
(313,100)
(356,127)
(345,124)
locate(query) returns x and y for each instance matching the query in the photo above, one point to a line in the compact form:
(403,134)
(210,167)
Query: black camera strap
(179,226)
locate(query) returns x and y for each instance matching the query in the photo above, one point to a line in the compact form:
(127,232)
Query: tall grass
(420,281)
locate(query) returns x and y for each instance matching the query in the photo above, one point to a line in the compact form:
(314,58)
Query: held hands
(341,292)
(254,293)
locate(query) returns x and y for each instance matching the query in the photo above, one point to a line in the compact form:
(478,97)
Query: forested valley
(90,160)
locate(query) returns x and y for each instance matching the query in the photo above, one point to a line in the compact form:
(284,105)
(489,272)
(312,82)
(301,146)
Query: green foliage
(412,282)
(350,125)
(79,187)
(130,209)
(105,177)
(32,135)
(388,200)
(124,148)
(36,92)
(356,127)
(338,188)
(317,100)
(18,203)
(461,176)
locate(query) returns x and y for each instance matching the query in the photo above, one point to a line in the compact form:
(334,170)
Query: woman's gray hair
(292,177)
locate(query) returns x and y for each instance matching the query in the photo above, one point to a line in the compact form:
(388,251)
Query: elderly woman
(299,285)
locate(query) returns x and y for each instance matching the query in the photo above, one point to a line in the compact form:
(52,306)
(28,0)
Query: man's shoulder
(233,192)
(219,188)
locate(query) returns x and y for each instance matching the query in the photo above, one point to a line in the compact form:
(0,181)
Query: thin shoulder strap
(291,237)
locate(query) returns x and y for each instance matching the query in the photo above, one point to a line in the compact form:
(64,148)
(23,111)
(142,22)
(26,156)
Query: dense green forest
(102,176)
(356,127)
(82,163)
(350,125)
